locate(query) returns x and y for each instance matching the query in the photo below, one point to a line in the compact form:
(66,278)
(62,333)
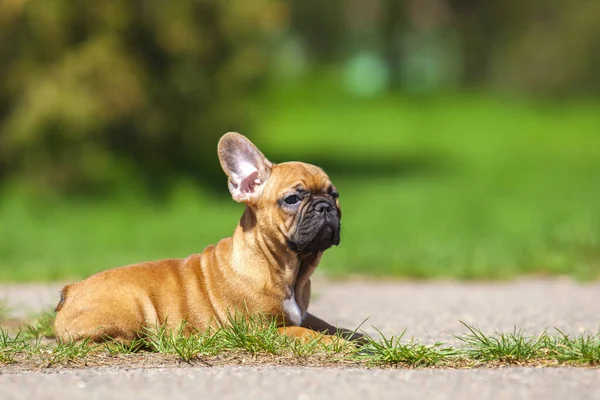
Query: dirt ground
(428,311)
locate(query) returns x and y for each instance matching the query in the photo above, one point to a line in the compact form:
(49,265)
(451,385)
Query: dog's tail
(63,297)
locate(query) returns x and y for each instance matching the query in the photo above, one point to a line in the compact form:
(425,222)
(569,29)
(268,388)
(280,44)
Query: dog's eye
(335,195)
(292,199)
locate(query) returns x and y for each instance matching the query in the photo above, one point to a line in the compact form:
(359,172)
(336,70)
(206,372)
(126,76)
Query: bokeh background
(463,135)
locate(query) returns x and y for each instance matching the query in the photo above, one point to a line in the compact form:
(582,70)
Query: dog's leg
(318,325)
(306,335)
(97,328)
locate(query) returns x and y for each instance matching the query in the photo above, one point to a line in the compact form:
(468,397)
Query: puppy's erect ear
(245,166)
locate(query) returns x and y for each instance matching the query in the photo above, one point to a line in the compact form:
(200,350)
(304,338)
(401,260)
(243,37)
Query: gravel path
(428,311)
(305,384)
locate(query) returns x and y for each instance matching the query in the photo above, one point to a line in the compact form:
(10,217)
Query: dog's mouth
(325,238)
(328,236)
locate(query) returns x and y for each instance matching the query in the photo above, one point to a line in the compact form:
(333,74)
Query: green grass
(466,187)
(42,326)
(257,340)
(393,351)
(517,348)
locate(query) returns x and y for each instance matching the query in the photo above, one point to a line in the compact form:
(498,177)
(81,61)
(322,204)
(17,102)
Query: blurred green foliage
(101,97)
(98,94)
(106,107)
(512,191)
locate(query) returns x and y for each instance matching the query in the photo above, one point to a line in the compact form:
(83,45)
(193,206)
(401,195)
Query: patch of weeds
(10,347)
(517,348)
(66,351)
(302,349)
(115,347)
(186,346)
(392,351)
(254,334)
(583,349)
(339,344)
(41,327)
(259,337)
(511,348)
(28,344)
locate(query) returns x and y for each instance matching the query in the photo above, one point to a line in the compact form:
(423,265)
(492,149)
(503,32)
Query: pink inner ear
(248,185)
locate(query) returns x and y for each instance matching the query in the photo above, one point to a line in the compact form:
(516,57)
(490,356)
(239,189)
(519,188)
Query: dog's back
(119,303)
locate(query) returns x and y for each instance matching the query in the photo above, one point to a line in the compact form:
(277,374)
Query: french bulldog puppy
(292,216)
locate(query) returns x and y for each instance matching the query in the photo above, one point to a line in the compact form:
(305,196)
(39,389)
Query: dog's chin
(327,237)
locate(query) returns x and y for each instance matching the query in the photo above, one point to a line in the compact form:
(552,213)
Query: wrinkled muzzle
(318,229)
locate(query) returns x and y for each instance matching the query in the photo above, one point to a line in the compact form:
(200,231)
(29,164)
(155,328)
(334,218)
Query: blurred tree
(321,25)
(536,47)
(94,94)
(98,94)
(556,52)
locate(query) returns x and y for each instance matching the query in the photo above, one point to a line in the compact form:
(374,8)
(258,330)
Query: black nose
(323,207)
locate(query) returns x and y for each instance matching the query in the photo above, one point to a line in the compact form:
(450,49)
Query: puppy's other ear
(245,166)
